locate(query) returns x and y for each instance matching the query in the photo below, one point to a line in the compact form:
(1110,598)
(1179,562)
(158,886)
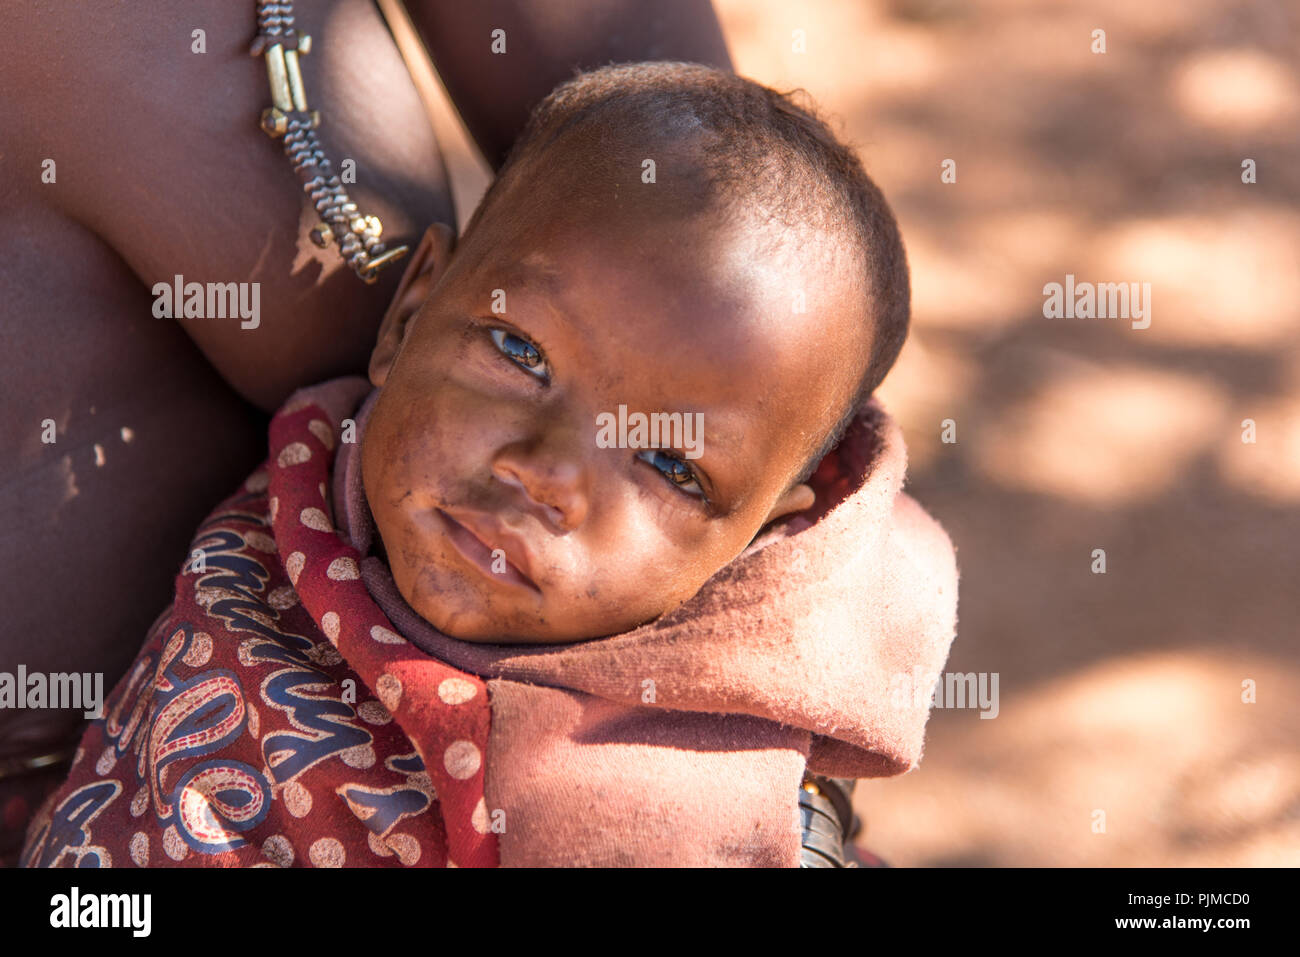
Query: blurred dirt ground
(1121,692)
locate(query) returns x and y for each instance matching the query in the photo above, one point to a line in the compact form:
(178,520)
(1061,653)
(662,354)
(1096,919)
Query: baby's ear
(422,274)
(798,498)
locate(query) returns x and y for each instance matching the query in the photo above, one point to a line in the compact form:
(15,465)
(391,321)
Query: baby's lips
(489,530)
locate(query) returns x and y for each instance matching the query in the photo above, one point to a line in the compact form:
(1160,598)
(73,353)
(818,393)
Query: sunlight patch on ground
(1234,90)
(1270,467)
(1102,434)
(1186,773)
(1231,280)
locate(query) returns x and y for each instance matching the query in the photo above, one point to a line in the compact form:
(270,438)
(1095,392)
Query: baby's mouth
(472,539)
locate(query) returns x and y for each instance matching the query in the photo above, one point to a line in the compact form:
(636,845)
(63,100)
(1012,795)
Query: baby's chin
(459,609)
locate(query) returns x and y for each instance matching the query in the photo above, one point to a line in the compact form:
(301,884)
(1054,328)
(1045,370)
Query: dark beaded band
(827,820)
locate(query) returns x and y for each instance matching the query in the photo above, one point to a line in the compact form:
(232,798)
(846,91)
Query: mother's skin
(161,169)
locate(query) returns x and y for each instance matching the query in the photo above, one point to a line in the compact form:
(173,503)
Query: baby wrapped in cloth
(290,709)
(676,632)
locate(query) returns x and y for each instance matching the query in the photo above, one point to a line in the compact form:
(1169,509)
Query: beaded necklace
(357,236)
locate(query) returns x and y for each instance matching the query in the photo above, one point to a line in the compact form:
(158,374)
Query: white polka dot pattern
(140,849)
(323,432)
(386,637)
(389,690)
(462,759)
(315,518)
(329,623)
(431,707)
(295,454)
(342,569)
(456,690)
(327,852)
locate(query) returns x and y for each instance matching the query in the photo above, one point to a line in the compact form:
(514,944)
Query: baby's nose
(554,490)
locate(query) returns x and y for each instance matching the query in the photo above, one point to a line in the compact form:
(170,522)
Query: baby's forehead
(655,272)
(630,275)
(678,313)
(548,236)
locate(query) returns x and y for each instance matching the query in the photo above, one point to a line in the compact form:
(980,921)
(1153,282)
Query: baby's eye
(674,470)
(521,352)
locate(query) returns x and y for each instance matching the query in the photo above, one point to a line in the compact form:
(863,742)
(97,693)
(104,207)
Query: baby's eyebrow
(533,272)
(722,440)
(530,278)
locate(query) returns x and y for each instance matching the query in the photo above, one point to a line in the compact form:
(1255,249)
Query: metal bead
(322,235)
(274,121)
(379,262)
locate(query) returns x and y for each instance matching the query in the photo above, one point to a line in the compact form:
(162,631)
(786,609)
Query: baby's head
(664,237)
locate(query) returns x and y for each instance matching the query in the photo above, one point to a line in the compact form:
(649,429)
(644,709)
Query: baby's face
(504,515)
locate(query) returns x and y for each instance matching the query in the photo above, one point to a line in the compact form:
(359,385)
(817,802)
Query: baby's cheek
(633,586)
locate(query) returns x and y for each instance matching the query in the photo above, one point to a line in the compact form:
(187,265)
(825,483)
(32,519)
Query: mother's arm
(546,41)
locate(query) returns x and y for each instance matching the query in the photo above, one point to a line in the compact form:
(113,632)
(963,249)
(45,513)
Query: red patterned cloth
(275,716)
